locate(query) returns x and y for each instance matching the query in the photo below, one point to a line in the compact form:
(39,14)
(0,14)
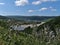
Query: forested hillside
(31,18)
(46,34)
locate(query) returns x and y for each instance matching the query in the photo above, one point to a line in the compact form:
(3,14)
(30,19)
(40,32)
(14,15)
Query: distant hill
(54,21)
(28,18)
(3,17)
(31,18)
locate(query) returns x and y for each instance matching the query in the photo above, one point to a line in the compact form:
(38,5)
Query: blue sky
(30,7)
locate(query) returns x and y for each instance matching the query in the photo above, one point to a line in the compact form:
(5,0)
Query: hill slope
(31,18)
(40,37)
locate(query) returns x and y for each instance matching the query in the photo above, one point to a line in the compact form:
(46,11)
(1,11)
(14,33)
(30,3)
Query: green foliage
(28,30)
(8,37)
(15,37)
(4,24)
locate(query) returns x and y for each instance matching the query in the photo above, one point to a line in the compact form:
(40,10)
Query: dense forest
(46,34)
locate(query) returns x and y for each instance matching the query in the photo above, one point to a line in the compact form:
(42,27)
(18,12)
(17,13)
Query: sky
(30,7)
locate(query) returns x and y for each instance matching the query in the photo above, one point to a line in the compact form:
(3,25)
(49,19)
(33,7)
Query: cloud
(30,11)
(36,2)
(53,0)
(41,1)
(21,2)
(24,2)
(47,0)
(42,9)
(49,8)
(2,3)
(52,9)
